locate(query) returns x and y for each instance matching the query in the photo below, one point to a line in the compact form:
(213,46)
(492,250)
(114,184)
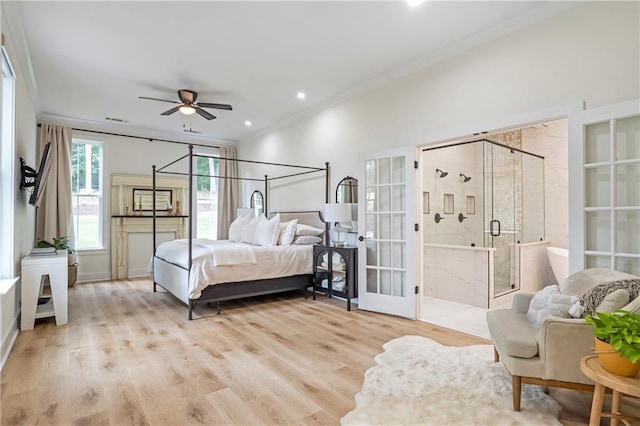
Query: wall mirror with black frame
(347,190)
(257,202)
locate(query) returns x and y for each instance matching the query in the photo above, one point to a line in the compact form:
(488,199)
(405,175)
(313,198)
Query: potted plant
(62,243)
(617,341)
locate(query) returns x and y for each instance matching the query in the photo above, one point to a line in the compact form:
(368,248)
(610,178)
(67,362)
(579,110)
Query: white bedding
(270,262)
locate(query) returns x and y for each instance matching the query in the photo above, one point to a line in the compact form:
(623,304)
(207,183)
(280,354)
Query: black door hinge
(416,227)
(416,289)
(415,164)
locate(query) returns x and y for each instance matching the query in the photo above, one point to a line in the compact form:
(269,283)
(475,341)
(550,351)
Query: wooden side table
(591,367)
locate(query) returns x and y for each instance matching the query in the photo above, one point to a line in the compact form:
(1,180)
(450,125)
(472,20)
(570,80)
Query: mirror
(143,199)
(257,202)
(347,191)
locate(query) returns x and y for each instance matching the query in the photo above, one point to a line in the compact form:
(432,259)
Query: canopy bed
(201,270)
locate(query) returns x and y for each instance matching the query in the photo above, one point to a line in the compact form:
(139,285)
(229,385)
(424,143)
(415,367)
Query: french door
(604,203)
(387,237)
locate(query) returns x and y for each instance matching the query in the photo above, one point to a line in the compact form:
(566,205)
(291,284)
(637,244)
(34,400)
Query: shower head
(442,173)
(465,178)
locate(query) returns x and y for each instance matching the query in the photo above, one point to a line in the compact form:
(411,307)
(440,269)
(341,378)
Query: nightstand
(335,272)
(36,270)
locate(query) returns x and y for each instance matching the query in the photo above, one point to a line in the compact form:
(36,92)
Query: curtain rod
(140,137)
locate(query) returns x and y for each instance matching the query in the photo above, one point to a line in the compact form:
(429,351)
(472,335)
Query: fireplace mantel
(125,222)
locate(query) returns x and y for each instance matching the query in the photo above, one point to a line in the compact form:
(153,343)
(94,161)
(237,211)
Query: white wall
(588,53)
(24,214)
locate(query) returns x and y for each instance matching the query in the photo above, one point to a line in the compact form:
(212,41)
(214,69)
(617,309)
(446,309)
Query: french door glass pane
(628,231)
(384,170)
(384,204)
(372,280)
(598,231)
(398,227)
(370,194)
(398,170)
(385,226)
(385,282)
(398,197)
(627,178)
(371,226)
(385,254)
(597,146)
(372,253)
(398,283)
(628,138)
(628,264)
(370,172)
(598,262)
(598,182)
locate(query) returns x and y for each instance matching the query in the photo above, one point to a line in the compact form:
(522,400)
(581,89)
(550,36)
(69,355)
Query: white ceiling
(92,60)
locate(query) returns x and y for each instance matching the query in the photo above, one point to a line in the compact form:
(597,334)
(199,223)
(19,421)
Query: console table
(36,270)
(326,270)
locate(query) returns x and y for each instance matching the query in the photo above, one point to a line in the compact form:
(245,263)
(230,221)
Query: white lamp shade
(337,212)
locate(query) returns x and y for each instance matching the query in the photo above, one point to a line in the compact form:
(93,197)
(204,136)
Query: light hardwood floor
(129,356)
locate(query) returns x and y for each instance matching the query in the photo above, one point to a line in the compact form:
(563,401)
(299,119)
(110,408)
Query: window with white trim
(207,197)
(86,184)
(7,181)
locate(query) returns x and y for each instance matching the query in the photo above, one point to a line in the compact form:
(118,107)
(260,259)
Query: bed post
(153,185)
(327,240)
(190,209)
(266,196)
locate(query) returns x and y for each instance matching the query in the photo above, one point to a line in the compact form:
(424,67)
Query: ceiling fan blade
(204,113)
(156,99)
(216,106)
(171,111)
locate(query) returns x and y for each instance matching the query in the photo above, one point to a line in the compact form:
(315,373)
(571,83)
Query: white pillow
(540,301)
(248,232)
(235,229)
(307,239)
(267,231)
(303,229)
(287,232)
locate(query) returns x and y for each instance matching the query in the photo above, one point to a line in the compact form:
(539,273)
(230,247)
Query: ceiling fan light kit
(188,104)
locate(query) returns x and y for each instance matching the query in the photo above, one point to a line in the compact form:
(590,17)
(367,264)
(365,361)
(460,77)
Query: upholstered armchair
(549,354)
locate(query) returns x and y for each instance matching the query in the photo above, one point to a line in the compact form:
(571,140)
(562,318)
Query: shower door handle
(492,228)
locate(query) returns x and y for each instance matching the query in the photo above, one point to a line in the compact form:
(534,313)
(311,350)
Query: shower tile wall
(551,142)
(465,159)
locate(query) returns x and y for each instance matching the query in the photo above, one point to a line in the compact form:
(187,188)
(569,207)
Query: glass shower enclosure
(492,196)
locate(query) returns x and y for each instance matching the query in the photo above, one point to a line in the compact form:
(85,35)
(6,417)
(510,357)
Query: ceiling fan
(188,105)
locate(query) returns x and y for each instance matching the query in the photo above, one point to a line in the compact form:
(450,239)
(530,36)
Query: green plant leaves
(621,329)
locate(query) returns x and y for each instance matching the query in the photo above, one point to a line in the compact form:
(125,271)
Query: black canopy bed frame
(175,278)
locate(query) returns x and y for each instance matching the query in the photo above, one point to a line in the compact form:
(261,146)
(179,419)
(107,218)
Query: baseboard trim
(96,276)
(7,345)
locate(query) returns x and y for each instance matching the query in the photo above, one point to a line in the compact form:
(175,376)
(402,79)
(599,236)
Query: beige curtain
(227,191)
(54,215)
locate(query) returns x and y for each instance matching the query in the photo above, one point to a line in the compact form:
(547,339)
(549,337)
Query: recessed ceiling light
(247,123)
(415,2)
(301,95)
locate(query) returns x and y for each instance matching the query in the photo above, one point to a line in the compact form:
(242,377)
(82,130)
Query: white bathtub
(559,260)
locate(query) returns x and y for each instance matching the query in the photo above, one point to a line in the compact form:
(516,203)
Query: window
(207,198)
(86,183)
(7,108)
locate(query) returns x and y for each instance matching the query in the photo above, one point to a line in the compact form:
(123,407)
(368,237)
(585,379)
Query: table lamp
(336,213)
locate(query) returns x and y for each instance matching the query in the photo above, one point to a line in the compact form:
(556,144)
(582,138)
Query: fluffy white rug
(419,381)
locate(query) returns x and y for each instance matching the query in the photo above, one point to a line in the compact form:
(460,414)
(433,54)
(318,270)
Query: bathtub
(559,260)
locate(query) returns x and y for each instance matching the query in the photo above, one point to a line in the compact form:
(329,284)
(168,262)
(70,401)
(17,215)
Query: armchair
(548,356)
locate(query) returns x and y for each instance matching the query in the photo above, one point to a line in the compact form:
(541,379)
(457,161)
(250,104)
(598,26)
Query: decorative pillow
(579,283)
(287,232)
(267,231)
(249,230)
(303,229)
(614,301)
(633,306)
(307,239)
(235,229)
(540,301)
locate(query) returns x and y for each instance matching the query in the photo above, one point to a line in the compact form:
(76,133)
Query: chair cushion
(514,334)
(579,283)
